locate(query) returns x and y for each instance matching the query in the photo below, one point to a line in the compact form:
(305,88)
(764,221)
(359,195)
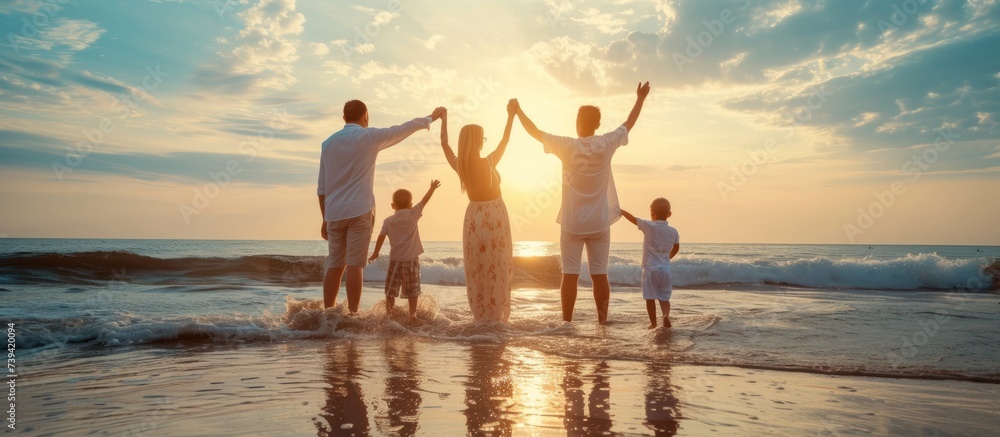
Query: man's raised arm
(390,136)
(641,92)
(529,126)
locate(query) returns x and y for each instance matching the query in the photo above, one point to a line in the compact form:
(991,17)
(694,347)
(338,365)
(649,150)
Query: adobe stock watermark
(537,204)
(151,418)
(40,20)
(741,173)
(714,28)
(557,12)
(901,14)
(219,180)
(122,107)
(485,88)
(915,167)
(103,302)
(928,327)
(223,7)
(364,36)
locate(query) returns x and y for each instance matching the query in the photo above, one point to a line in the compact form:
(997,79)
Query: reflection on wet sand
(402,396)
(345,412)
(662,409)
(597,419)
(488,391)
(508,390)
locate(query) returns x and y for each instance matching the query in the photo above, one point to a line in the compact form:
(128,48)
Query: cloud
(762,41)
(39,152)
(900,104)
(432,42)
(864,75)
(417,81)
(36,84)
(24,6)
(319,49)
(249,124)
(264,51)
(60,36)
(75,35)
(572,63)
(384,17)
(609,23)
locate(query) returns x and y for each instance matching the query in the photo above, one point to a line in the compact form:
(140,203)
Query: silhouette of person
(402,395)
(600,401)
(661,404)
(572,385)
(345,412)
(488,391)
(597,420)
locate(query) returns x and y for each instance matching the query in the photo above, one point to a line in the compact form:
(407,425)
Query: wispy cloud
(33,151)
(263,51)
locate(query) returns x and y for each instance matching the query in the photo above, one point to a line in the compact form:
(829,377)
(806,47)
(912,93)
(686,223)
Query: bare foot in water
(666,322)
(414,321)
(651,326)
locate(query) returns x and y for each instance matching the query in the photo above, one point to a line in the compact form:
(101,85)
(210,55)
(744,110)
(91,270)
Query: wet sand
(409,386)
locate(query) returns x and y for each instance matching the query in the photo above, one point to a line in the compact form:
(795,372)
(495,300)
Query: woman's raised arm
(497,154)
(448,153)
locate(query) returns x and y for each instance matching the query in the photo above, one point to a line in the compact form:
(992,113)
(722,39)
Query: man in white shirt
(347,196)
(589,199)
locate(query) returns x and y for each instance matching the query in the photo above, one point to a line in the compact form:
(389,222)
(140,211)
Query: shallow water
(410,386)
(101,338)
(908,334)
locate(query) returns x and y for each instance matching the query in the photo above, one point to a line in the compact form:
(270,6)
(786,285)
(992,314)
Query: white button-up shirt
(589,197)
(347,166)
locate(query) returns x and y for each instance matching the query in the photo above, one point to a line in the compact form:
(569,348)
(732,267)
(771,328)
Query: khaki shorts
(598,246)
(348,241)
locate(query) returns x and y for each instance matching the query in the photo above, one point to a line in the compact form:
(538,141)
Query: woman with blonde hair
(486,240)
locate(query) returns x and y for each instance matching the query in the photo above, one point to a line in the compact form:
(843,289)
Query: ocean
(109,312)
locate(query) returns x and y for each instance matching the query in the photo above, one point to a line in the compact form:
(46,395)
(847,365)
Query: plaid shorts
(403,279)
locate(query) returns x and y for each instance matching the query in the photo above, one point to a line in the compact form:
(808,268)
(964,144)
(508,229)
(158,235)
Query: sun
(529,170)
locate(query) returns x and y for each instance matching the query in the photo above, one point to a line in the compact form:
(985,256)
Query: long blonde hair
(470,143)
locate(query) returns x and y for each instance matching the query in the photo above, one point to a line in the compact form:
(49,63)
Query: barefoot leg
(651,310)
(665,306)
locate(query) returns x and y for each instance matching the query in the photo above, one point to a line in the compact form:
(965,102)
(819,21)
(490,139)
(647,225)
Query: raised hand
(438,112)
(511,107)
(642,90)
(430,192)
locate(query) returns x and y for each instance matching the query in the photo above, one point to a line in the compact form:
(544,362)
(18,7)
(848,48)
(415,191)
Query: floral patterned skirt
(489,260)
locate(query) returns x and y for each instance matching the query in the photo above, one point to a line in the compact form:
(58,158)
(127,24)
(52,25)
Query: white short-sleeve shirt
(589,197)
(404,237)
(347,166)
(658,240)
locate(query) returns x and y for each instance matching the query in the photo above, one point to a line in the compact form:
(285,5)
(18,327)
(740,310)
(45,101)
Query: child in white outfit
(660,244)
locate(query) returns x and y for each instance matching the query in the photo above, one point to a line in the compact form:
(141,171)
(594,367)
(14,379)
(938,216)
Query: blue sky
(770,121)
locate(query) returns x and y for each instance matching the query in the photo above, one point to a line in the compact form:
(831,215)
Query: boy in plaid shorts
(402,279)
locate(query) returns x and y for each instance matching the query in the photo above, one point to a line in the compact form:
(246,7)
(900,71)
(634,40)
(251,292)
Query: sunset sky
(768,121)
